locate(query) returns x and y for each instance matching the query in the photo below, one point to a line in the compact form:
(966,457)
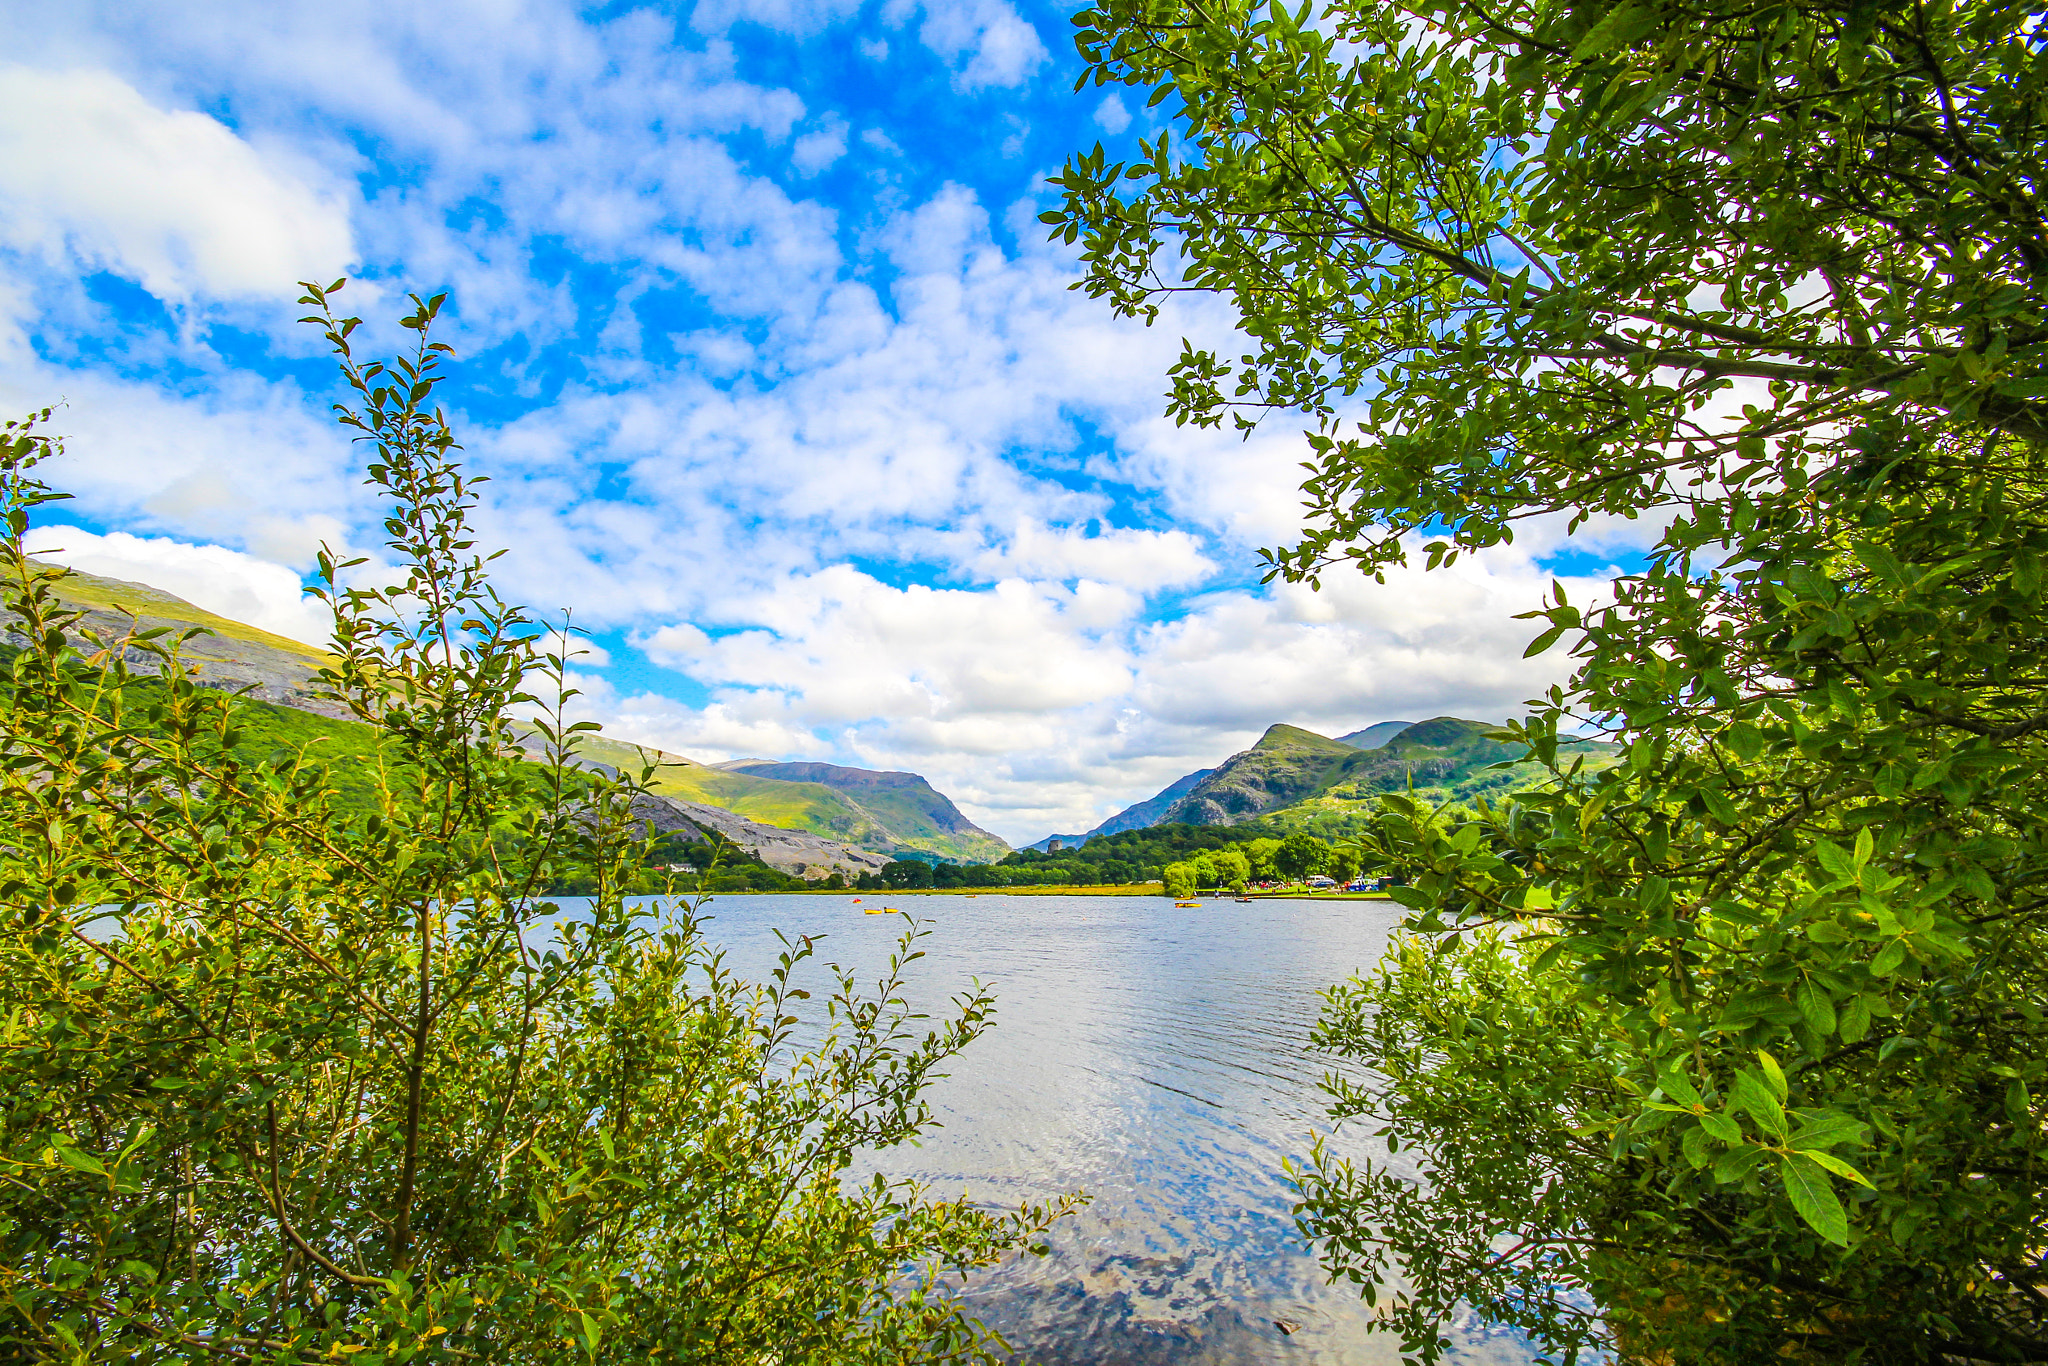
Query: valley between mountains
(815,821)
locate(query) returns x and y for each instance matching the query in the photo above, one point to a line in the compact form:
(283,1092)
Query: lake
(1155,1058)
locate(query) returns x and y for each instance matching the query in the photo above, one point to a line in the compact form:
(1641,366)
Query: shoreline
(1113,889)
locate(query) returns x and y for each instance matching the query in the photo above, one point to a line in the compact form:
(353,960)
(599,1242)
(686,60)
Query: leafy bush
(291,1081)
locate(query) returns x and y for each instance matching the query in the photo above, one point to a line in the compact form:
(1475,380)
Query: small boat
(880,910)
(1244,898)
(1183,905)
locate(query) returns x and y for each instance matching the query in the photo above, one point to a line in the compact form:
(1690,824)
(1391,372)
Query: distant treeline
(1111,860)
(1107,860)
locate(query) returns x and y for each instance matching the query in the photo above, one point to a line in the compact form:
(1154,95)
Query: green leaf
(1750,1093)
(1835,1165)
(1856,1019)
(1619,25)
(1694,1143)
(1814,1197)
(1732,1165)
(1828,1129)
(1773,1074)
(76,1160)
(1721,1126)
(1815,1007)
(1678,1086)
(1746,741)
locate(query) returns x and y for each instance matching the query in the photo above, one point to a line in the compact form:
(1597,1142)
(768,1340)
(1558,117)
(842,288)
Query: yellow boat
(1186,905)
(880,910)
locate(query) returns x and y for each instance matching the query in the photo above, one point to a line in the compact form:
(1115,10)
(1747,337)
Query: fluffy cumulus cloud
(1049,705)
(783,391)
(169,198)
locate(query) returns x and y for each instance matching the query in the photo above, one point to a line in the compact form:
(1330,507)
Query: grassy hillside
(1297,779)
(278,670)
(916,814)
(231,654)
(1441,760)
(811,807)
(120,595)
(1286,765)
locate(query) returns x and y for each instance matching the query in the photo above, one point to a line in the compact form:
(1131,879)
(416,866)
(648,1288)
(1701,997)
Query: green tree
(1740,1040)
(903,873)
(1179,881)
(292,1080)
(1233,869)
(1344,863)
(1301,855)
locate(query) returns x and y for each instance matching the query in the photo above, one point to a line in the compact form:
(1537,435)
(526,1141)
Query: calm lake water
(1156,1059)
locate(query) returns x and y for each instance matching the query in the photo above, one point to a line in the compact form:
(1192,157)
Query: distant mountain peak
(1284,736)
(1375,735)
(1440,731)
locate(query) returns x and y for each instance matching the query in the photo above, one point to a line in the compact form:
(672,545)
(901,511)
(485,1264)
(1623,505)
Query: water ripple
(1155,1057)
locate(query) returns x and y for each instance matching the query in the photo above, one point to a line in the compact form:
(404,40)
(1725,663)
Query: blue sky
(783,391)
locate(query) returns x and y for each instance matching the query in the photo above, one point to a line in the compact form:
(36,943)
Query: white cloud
(816,150)
(879,383)
(1143,560)
(1112,113)
(246,464)
(171,199)
(795,17)
(988,42)
(226,582)
(1038,706)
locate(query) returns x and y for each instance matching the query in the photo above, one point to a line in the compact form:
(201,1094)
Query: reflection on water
(1155,1058)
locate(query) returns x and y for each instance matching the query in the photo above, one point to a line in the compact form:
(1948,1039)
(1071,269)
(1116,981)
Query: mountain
(1287,764)
(791,825)
(274,668)
(1296,776)
(808,807)
(1372,737)
(1142,816)
(915,814)
(1149,812)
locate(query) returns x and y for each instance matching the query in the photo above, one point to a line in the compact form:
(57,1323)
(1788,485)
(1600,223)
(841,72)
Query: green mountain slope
(811,807)
(1286,765)
(1296,777)
(908,814)
(915,814)
(233,655)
